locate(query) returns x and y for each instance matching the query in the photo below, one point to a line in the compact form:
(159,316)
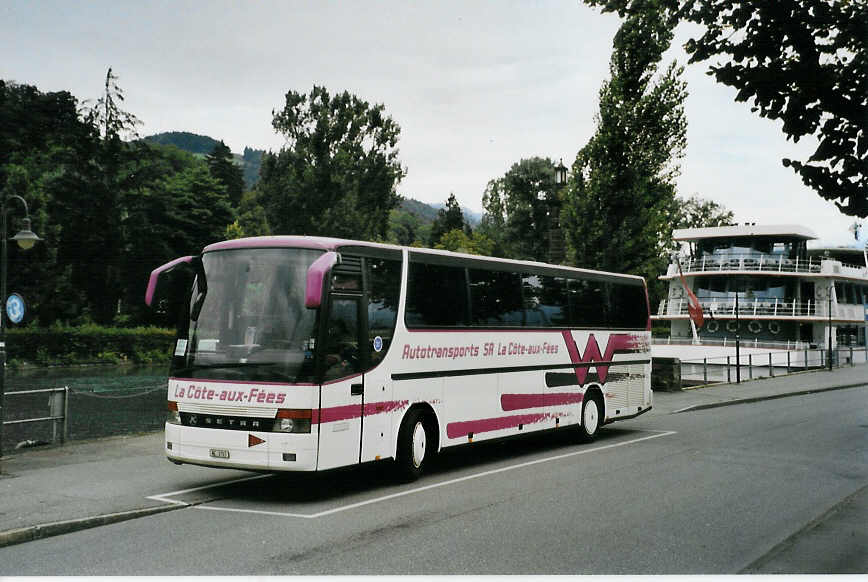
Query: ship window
(782,248)
(711,287)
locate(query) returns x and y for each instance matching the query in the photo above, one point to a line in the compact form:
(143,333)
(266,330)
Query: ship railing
(753,262)
(746,307)
(726,341)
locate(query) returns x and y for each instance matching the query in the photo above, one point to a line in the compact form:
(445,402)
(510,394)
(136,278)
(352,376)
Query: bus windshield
(251,324)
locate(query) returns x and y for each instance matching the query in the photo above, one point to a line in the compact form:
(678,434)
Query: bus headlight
(173,416)
(292,420)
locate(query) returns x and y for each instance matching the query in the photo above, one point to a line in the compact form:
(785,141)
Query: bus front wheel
(414,442)
(591,417)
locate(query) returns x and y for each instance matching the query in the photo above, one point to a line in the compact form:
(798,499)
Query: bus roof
(303,242)
(335,244)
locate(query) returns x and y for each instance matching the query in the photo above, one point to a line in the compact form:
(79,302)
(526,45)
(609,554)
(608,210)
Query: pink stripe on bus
(336,413)
(460,429)
(510,402)
(351,411)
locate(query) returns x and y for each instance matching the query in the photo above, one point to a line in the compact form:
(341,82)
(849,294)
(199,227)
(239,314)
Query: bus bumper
(239,449)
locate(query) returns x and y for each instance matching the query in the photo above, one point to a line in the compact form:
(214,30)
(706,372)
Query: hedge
(88,344)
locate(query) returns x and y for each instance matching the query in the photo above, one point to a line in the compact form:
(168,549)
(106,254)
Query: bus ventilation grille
(349,266)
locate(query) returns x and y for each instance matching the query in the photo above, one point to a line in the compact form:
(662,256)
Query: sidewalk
(701,397)
(84,484)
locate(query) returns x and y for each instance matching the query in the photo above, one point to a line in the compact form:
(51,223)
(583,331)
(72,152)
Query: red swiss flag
(694,309)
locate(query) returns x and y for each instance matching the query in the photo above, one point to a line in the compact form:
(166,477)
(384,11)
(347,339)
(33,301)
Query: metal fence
(58,412)
(764,365)
(91,404)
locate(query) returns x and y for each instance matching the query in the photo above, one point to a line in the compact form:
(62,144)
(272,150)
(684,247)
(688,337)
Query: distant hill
(202,145)
(189,142)
(424,212)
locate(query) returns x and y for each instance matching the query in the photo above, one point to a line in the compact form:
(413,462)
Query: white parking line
(685,409)
(164,497)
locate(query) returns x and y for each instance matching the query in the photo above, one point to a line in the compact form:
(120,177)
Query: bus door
(342,390)
(378,405)
(382,294)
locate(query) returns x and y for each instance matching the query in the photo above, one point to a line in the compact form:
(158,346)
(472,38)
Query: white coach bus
(306,353)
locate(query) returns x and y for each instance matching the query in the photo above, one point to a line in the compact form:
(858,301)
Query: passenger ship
(765,285)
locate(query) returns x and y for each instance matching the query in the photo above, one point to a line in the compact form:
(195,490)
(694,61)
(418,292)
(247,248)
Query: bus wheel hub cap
(418,444)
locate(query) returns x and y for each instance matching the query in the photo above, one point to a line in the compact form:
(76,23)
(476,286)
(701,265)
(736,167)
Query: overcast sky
(475,86)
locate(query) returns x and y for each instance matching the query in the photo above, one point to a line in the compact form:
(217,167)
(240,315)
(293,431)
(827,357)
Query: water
(103,401)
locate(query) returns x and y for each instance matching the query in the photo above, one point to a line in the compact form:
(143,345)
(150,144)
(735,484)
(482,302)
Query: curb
(56,528)
(767,397)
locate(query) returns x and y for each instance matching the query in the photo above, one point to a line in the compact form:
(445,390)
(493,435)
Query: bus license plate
(220,453)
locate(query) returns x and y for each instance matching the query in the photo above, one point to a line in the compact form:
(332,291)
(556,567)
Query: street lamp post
(737,341)
(25,239)
(829,308)
(555,236)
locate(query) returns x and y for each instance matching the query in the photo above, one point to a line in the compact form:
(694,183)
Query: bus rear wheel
(414,440)
(592,411)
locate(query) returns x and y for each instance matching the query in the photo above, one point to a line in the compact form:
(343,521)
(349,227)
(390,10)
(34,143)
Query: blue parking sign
(15,308)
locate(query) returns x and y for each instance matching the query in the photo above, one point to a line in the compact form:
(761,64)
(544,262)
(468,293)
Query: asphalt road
(746,488)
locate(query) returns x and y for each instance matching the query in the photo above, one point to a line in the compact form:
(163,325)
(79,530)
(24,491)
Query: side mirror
(317,275)
(156,282)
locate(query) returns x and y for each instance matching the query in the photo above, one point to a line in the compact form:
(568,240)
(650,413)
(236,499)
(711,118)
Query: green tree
(222,166)
(106,114)
(517,208)
(457,240)
(108,210)
(92,203)
(619,199)
(175,209)
(804,62)
(449,218)
(405,228)
(251,215)
(39,135)
(696,212)
(338,173)
(234,231)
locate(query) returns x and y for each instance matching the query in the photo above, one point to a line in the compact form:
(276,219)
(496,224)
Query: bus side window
(496,298)
(627,306)
(436,296)
(588,303)
(545,300)
(384,278)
